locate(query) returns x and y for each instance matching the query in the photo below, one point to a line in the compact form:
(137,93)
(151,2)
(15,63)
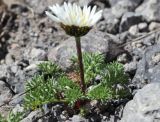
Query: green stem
(79,54)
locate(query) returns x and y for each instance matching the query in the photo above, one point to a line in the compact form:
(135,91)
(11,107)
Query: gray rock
(156,58)
(78,118)
(122,58)
(33,66)
(16,76)
(123,6)
(14,69)
(145,106)
(38,54)
(9,59)
(13,76)
(84,2)
(42,5)
(119,9)
(129,19)
(134,2)
(2,85)
(149,67)
(143,27)
(154,73)
(134,30)
(150,9)
(113,2)
(102,26)
(18,108)
(110,23)
(3,71)
(130,67)
(154,25)
(15,53)
(32,116)
(122,37)
(150,40)
(107,13)
(92,42)
(5,95)
(81,2)
(17,99)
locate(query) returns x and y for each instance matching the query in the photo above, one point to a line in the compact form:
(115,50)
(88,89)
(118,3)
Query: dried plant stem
(80,61)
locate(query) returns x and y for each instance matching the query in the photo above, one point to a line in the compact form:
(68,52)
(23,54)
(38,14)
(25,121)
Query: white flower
(73,15)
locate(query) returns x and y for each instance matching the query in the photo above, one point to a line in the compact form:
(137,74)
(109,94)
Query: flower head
(76,21)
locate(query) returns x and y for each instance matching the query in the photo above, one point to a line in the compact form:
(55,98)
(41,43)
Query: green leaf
(72,91)
(42,89)
(39,92)
(100,92)
(2,119)
(64,82)
(114,74)
(93,64)
(51,69)
(113,77)
(15,117)
(73,94)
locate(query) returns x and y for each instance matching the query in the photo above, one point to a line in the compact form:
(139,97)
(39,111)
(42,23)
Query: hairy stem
(79,54)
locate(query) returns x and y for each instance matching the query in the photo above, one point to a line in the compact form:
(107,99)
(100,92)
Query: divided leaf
(59,88)
(39,92)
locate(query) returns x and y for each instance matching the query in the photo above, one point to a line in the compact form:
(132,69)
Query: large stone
(32,116)
(134,2)
(110,24)
(150,9)
(129,19)
(38,54)
(3,71)
(123,6)
(130,67)
(80,2)
(149,67)
(78,118)
(15,75)
(154,25)
(17,109)
(92,42)
(5,93)
(133,30)
(143,27)
(39,6)
(113,2)
(145,106)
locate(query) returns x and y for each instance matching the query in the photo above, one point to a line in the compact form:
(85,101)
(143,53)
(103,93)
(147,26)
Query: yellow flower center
(75,30)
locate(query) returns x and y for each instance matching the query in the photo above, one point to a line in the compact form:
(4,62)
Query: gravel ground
(128,32)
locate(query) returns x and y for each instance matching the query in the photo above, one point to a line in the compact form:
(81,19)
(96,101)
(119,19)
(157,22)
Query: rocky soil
(128,32)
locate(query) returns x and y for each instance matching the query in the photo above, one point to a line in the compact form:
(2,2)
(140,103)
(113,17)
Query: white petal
(87,13)
(54,10)
(84,15)
(52,17)
(66,7)
(78,15)
(92,12)
(84,8)
(59,10)
(57,5)
(96,17)
(66,15)
(72,14)
(70,7)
